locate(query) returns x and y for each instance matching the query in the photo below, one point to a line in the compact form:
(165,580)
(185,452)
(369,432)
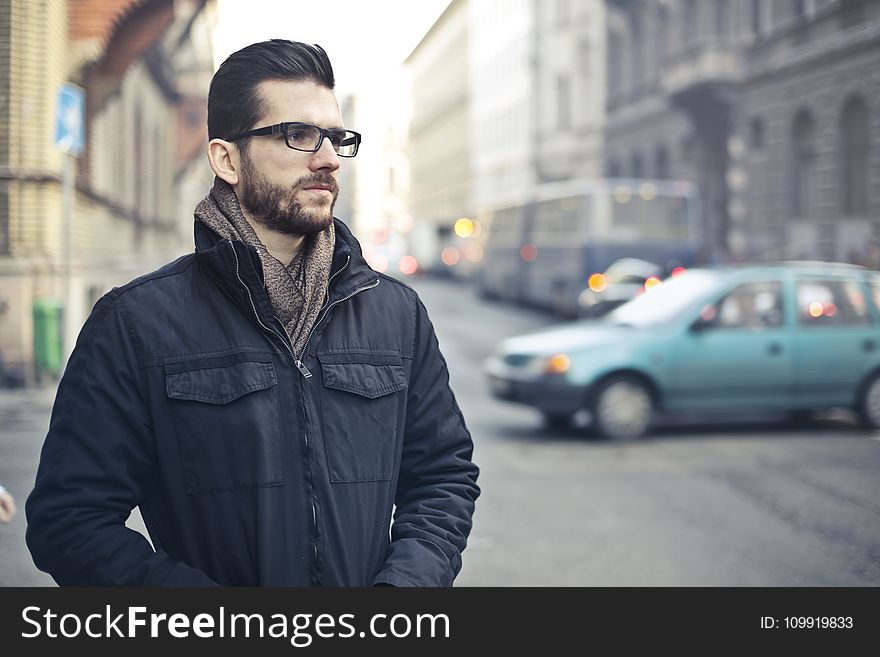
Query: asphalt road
(758,502)
(752,503)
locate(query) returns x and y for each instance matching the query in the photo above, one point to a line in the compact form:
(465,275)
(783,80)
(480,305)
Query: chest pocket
(225,416)
(361,407)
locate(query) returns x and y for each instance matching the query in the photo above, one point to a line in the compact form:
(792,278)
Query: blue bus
(541,252)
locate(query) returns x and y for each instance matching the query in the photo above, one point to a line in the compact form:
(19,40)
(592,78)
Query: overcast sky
(362,37)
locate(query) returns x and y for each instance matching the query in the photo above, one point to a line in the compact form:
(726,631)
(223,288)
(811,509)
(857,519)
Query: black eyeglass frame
(281,129)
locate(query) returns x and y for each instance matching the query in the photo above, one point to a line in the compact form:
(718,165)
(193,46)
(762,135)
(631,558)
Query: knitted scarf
(297,289)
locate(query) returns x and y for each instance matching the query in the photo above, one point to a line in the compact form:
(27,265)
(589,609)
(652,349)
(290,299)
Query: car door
(836,340)
(736,354)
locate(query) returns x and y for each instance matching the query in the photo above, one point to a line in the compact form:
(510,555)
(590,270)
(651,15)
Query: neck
(281,246)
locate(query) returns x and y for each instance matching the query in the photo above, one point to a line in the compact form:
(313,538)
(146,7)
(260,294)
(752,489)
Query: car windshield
(665,302)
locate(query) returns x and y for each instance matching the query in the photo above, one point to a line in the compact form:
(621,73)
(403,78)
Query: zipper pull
(303,369)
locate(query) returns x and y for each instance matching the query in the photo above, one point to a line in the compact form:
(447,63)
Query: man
(268,400)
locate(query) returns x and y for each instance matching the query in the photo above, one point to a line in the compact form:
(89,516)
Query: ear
(224,160)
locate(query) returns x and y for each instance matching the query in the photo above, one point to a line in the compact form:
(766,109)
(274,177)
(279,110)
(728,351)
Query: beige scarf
(296,290)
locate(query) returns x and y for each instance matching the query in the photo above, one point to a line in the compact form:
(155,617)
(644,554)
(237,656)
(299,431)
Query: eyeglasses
(308,138)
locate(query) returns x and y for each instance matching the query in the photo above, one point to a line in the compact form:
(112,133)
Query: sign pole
(70,140)
(68,180)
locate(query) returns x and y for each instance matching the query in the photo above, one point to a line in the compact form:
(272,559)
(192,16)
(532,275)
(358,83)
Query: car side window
(831,302)
(874,283)
(752,305)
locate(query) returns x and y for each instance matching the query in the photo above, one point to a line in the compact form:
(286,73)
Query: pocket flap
(365,379)
(220,385)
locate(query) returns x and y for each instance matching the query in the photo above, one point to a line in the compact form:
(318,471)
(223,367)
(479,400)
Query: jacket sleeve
(437,485)
(94,468)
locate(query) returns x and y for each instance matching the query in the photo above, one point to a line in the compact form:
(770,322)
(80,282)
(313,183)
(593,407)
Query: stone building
(142,114)
(771,107)
(440,144)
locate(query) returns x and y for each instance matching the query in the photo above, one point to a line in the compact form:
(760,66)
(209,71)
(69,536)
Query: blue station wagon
(790,337)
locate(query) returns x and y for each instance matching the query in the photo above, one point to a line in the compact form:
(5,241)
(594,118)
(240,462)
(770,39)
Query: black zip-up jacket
(252,465)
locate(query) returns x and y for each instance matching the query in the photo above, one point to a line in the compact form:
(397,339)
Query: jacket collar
(348,271)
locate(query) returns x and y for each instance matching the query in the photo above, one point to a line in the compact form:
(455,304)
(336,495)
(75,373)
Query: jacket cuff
(417,562)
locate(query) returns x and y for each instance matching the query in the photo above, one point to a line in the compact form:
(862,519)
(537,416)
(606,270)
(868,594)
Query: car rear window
(874,285)
(831,301)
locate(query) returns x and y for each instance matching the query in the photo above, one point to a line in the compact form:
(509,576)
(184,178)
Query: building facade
(569,96)
(502,101)
(440,143)
(771,107)
(124,216)
(808,122)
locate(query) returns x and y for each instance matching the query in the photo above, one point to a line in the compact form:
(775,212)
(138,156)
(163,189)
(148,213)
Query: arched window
(636,166)
(615,65)
(803,157)
(661,45)
(661,163)
(854,149)
(636,71)
(691,22)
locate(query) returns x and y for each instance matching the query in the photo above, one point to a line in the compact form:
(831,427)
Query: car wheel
(869,403)
(622,408)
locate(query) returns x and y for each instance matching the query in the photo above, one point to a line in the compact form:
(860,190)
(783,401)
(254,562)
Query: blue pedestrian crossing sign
(70,119)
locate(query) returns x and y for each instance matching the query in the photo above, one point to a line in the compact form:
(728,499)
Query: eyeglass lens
(308,138)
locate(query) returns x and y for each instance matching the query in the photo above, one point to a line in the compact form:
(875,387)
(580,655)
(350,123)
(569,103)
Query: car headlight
(557,364)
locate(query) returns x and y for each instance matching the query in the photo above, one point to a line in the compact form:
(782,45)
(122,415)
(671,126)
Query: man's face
(286,190)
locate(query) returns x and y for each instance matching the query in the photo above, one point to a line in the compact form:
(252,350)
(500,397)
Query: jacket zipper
(298,361)
(290,350)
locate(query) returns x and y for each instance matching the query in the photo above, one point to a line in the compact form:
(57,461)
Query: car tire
(868,406)
(622,408)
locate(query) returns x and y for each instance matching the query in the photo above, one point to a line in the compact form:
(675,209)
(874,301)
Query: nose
(325,158)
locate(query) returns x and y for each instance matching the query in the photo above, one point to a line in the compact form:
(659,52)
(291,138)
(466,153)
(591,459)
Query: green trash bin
(48,335)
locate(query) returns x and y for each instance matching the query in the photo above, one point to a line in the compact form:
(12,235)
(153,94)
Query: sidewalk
(24,420)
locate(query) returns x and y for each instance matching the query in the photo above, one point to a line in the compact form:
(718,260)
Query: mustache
(317,179)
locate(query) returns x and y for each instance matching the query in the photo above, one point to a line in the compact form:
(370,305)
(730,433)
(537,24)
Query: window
(803,159)
(757,16)
(799,7)
(854,149)
(690,22)
(636,49)
(4,220)
(875,290)
(756,129)
(751,305)
(722,17)
(614,169)
(661,163)
(852,12)
(637,170)
(563,102)
(837,302)
(662,34)
(563,13)
(584,56)
(615,65)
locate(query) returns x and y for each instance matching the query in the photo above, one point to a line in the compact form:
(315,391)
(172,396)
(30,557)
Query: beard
(276,207)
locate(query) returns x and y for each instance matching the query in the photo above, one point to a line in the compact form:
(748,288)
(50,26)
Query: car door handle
(774,349)
(869,345)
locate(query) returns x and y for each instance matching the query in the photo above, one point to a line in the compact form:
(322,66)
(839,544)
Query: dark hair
(233,102)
